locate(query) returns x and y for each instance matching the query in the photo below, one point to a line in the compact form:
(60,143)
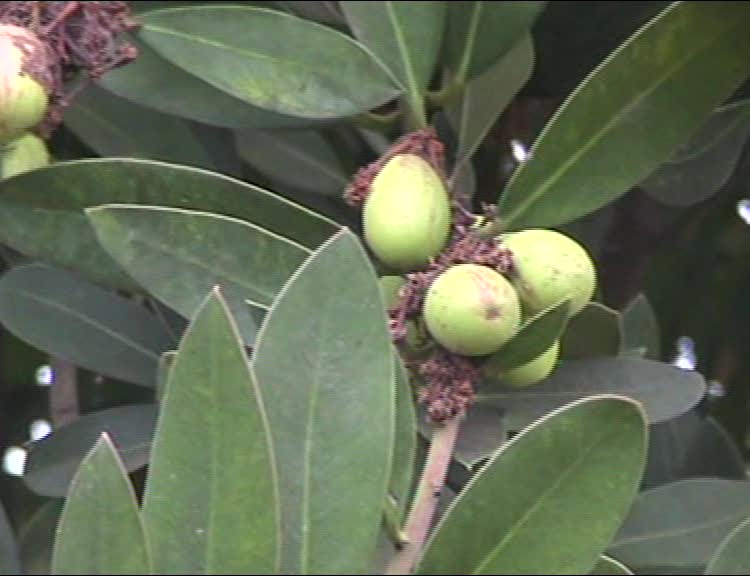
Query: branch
(425,502)
(63,393)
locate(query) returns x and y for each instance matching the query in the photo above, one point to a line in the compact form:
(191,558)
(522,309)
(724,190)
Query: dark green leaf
(632,112)
(551,499)
(36,537)
(100,530)
(211,499)
(61,314)
(179,255)
(481,32)
(53,460)
(112,126)
(406,36)
(153,82)
(733,554)
(315,72)
(664,390)
(323,11)
(487,95)
(640,327)
(324,361)
(41,213)
(681,524)
(594,331)
(405,440)
(691,446)
(303,159)
(705,163)
(9,558)
(533,338)
(608,566)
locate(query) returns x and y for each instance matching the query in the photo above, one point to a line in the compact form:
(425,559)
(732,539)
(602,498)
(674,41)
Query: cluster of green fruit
(23,103)
(471,309)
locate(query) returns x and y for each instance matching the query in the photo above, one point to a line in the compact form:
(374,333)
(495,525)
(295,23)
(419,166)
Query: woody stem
(428,492)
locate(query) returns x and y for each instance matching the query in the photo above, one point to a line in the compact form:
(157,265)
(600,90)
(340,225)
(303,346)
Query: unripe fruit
(551,267)
(23,98)
(407,214)
(23,154)
(471,310)
(533,371)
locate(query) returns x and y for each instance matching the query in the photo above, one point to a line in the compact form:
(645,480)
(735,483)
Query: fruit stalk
(426,499)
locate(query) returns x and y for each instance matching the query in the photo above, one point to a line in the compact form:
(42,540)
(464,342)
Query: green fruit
(407,214)
(23,154)
(471,310)
(23,99)
(535,370)
(551,267)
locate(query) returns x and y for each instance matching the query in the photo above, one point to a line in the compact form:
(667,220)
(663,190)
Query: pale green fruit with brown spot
(472,310)
(407,213)
(550,267)
(23,98)
(534,371)
(23,154)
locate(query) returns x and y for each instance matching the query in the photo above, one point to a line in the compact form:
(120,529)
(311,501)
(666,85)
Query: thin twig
(63,393)
(426,500)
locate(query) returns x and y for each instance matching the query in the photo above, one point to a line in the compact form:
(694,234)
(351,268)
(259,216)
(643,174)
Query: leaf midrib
(90,321)
(518,526)
(532,196)
(308,69)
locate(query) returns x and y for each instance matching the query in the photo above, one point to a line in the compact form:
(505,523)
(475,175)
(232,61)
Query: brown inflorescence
(81,41)
(449,385)
(449,377)
(423,143)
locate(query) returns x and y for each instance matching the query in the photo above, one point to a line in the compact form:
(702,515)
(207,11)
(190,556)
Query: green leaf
(594,331)
(405,439)
(691,446)
(303,159)
(112,126)
(663,390)
(609,566)
(100,530)
(479,33)
(534,337)
(315,73)
(640,327)
(52,461)
(682,523)
(211,499)
(324,361)
(36,537)
(165,365)
(179,255)
(733,554)
(41,213)
(487,95)
(705,163)
(155,83)
(10,562)
(61,314)
(406,36)
(631,113)
(551,499)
